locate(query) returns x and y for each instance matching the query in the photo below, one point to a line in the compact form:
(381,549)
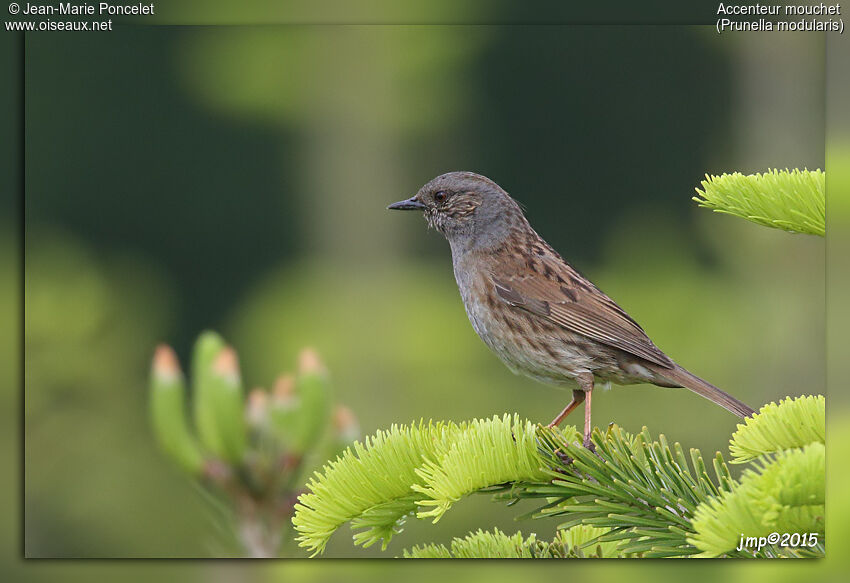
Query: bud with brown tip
(284,411)
(257,408)
(346,430)
(225,388)
(207,347)
(312,388)
(167,409)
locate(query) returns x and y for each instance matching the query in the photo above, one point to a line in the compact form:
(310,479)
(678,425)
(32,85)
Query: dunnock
(537,313)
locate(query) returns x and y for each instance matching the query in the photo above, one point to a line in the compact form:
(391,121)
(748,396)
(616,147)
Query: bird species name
(782,20)
(777,9)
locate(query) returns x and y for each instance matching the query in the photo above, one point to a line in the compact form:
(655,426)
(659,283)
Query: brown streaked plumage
(540,316)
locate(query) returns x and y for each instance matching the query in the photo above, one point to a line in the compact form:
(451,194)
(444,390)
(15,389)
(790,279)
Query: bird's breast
(475,295)
(527,344)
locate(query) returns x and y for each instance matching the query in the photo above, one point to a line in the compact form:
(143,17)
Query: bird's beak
(411,204)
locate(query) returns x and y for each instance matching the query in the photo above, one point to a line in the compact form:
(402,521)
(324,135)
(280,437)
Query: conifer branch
(642,490)
(480,544)
(426,468)
(634,496)
(783,495)
(370,484)
(790,200)
(576,542)
(791,424)
(487,453)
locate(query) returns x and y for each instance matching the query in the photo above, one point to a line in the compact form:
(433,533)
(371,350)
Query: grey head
(469,209)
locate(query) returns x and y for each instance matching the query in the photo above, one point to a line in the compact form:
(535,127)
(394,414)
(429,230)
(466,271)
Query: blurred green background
(236,177)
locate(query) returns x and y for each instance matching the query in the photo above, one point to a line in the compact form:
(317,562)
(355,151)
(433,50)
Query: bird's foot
(589,444)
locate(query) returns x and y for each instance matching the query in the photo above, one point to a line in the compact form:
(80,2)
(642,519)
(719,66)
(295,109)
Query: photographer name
(103,8)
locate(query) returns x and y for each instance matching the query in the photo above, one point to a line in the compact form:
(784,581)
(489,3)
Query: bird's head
(466,208)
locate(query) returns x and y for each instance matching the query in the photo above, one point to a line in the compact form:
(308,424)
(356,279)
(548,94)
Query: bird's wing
(550,289)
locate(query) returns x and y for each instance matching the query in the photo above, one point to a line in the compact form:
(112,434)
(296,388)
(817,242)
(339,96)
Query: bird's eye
(440,195)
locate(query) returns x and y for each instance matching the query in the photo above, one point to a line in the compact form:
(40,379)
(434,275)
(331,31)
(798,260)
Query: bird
(537,313)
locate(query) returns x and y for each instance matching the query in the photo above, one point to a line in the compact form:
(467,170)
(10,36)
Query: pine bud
(207,347)
(283,411)
(257,408)
(314,396)
(167,409)
(283,391)
(226,391)
(346,430)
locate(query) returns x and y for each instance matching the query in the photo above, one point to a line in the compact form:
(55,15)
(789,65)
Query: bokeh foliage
(249,455)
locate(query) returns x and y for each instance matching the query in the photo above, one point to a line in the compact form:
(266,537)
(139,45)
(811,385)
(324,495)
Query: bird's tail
(707,390)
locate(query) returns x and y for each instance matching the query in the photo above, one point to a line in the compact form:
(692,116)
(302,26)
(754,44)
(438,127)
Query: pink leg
(583,393)
(578,397)
(587,426)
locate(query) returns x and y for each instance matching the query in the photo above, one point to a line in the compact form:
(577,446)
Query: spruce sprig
(575,542)
(791,424)
(784,494)
(642,490)
(634,495)
(792,200)
(488,452)
(369,484)
(423,468)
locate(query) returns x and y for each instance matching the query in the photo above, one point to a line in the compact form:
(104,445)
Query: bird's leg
(587,427)
(585,383)
(578,397)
